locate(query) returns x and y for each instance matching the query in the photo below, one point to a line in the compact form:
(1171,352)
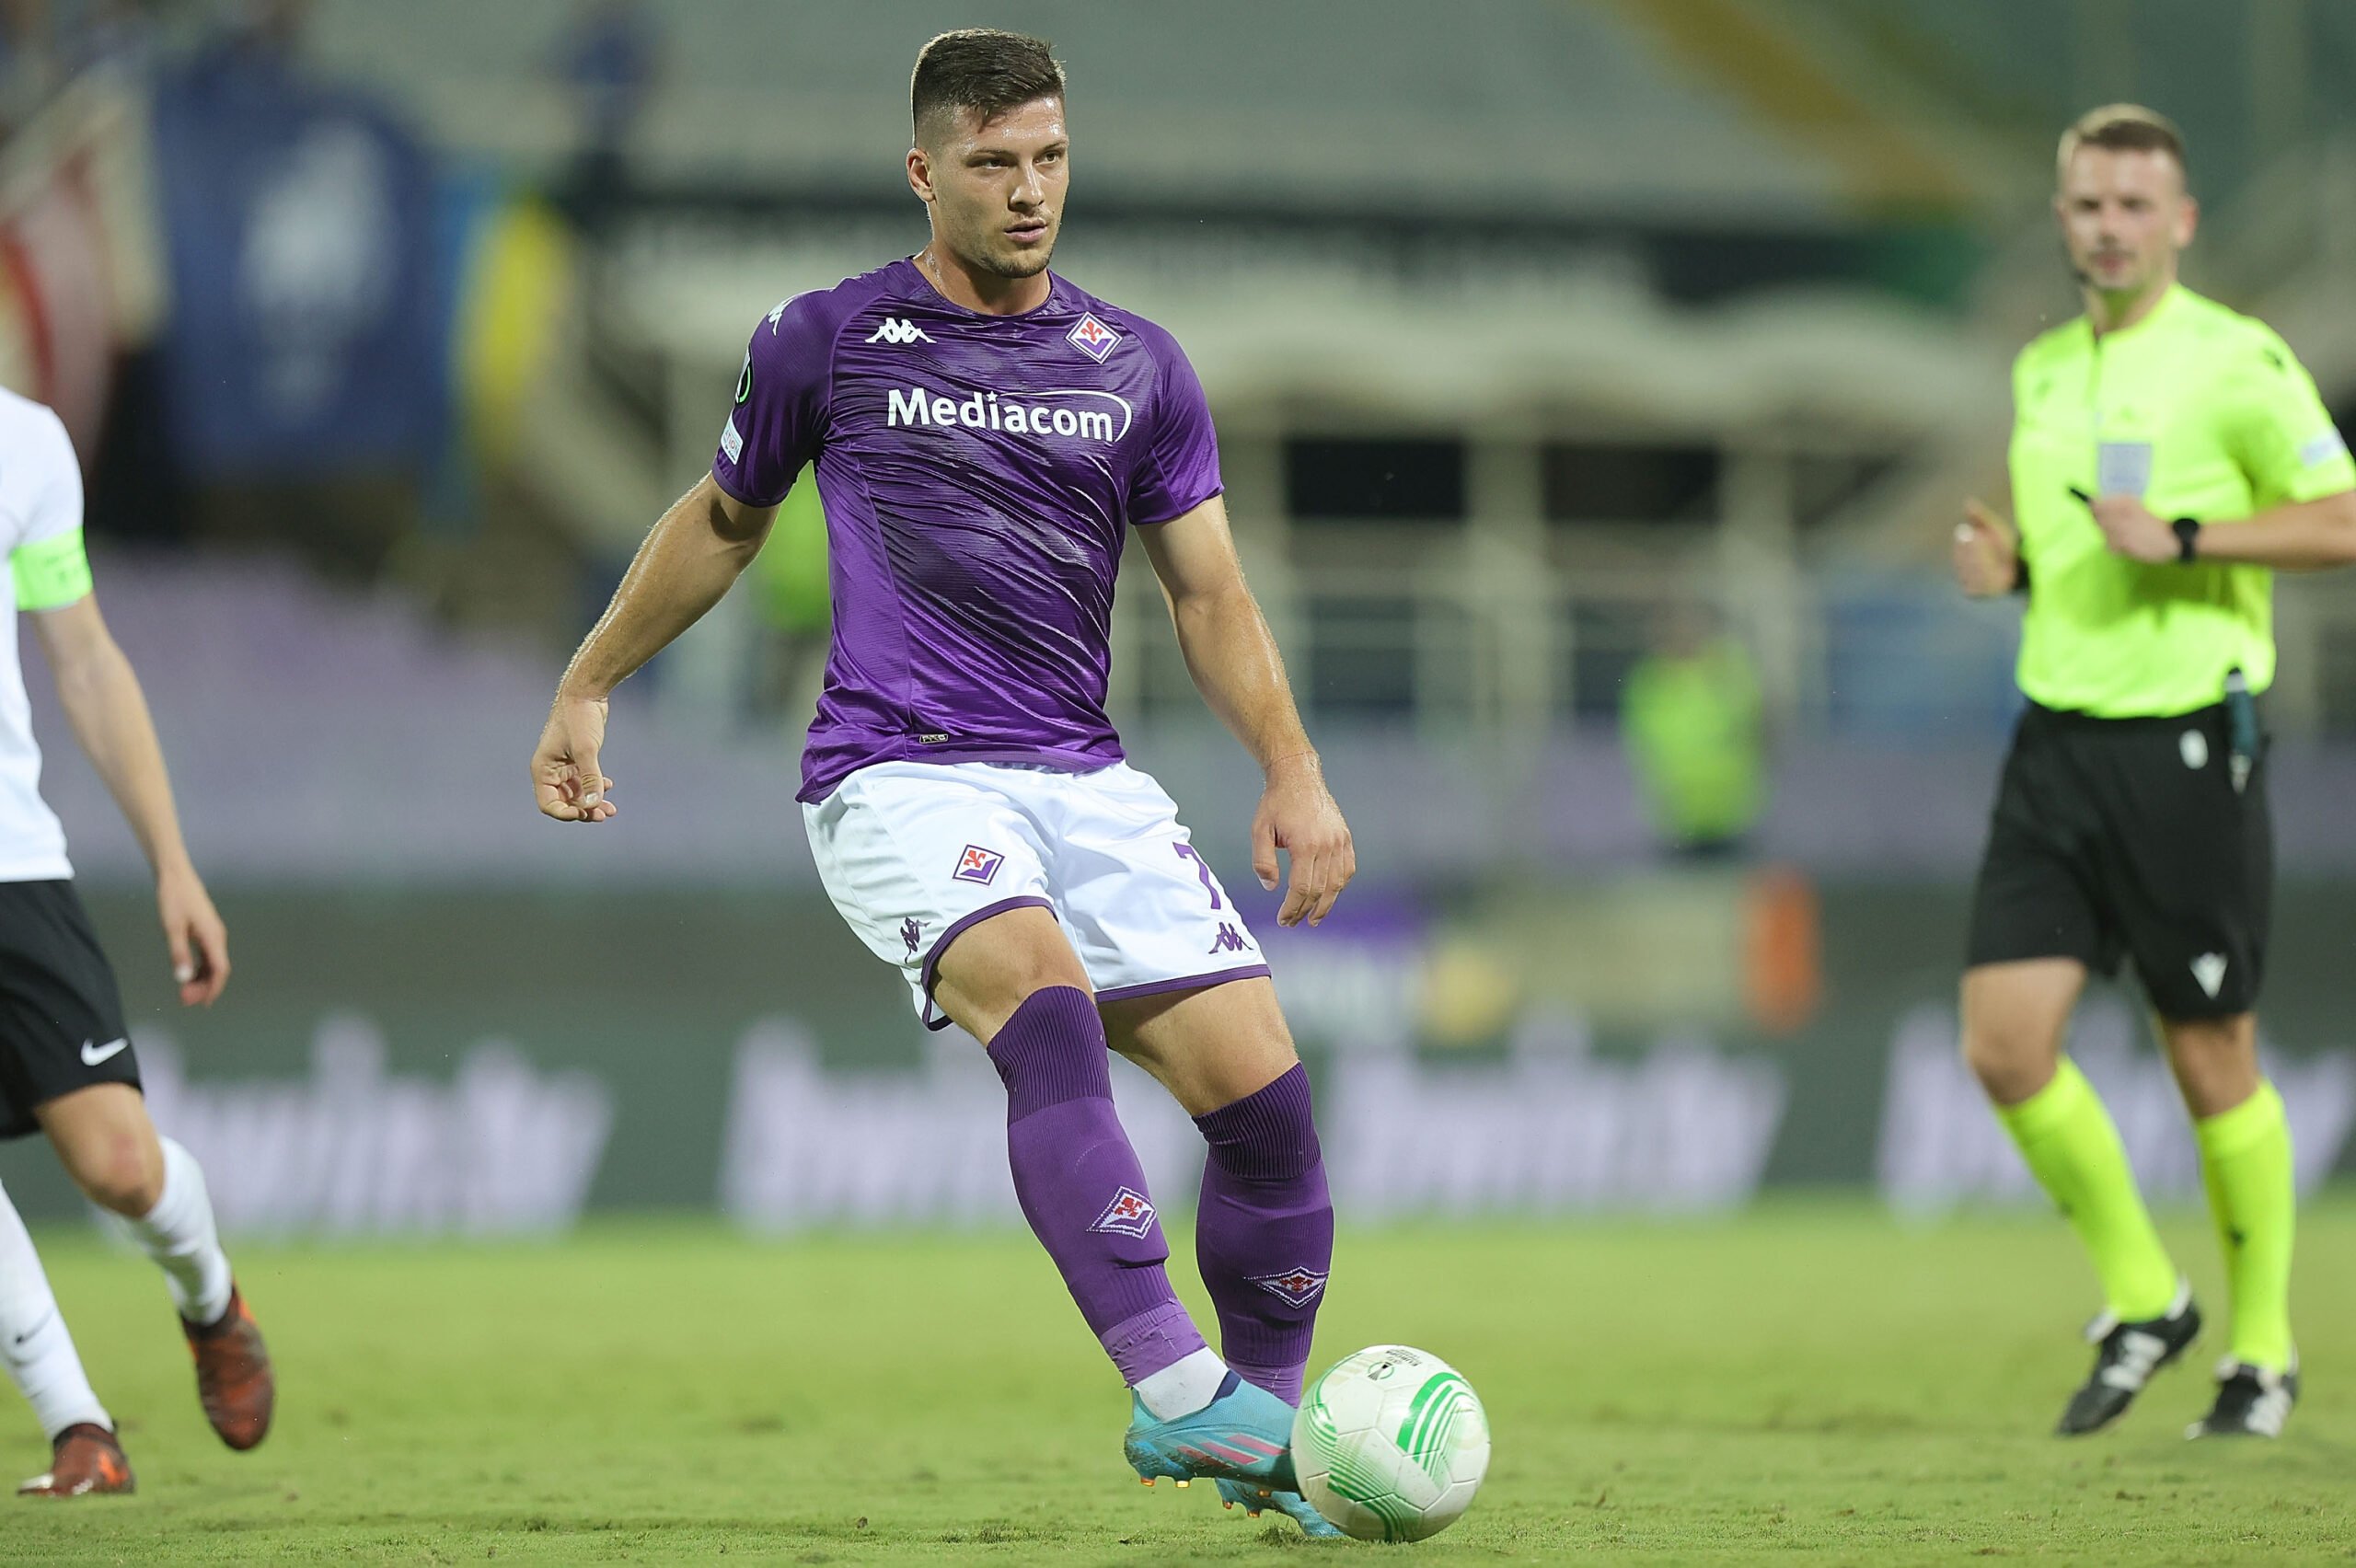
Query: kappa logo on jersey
(1299,1285)
(1129,1214)
(978,865)
(1094,339)
(987,410)
(896,330)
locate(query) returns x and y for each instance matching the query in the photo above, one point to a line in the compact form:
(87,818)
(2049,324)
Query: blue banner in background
(306,336)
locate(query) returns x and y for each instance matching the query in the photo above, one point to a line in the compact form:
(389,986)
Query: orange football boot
(233,1377)
(84,1461)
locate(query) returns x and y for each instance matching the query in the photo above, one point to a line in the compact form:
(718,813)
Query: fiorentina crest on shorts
(978,865)
(1299,1285)
(1092,338)
(1129,1214)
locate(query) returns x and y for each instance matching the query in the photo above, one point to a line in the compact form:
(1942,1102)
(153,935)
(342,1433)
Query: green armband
(50,574)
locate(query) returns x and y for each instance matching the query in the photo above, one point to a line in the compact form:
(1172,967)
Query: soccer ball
(1391,1444)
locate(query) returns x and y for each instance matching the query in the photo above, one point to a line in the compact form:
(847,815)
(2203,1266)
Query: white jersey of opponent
(40,500)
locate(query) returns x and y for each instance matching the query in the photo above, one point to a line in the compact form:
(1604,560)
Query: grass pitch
(1811,1382)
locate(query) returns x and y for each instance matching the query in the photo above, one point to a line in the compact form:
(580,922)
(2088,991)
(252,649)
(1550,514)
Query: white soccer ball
(1391,1444)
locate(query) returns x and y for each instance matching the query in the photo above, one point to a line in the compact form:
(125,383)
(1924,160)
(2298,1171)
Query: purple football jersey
(978,473)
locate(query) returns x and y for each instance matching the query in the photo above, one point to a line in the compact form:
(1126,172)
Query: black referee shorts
(2125,838)
(60,1018)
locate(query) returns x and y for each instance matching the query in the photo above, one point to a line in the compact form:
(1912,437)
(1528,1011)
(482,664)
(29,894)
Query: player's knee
(1052,1050)
(118,1175)
(2216,1061)
(2010,1062)
(1269,1135)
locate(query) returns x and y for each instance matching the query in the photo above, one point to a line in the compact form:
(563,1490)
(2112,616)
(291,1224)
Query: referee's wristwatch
(2187,540)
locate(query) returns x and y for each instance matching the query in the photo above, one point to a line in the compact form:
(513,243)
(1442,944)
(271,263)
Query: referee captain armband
(51,572)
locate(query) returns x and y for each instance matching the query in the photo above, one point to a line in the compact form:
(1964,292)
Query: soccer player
(985,433)
(2167,456)
(66,1065)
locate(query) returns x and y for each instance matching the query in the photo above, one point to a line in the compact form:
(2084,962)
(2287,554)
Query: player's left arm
(2298,469)
(1233,659)
(103,702)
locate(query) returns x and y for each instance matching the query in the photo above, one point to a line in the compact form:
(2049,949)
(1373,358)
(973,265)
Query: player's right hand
(1987,552)
(193,934)
(564,769)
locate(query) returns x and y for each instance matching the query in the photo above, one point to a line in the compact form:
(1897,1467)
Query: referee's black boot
(2251,1401)
(2126,1355)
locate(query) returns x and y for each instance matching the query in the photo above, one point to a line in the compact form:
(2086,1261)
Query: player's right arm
(1987,552)
(690,560)
(696,552)
(103,703)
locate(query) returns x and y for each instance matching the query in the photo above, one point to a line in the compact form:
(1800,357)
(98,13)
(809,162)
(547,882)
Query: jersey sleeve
(46,559)
(1180,468)
(773,430)
(2282,432)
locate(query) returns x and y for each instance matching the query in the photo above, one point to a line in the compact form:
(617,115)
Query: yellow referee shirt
(2204,413)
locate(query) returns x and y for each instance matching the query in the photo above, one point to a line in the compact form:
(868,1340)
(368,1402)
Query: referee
(2167,456)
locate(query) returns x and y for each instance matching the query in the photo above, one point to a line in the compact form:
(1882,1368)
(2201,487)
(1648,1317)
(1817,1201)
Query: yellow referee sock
(2245,1164)
(2073,1150)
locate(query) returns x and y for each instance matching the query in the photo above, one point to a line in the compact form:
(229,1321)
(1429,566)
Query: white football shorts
(912,853)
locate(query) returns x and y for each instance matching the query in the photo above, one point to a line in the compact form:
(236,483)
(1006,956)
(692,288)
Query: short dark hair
(982,69)
(2123,128)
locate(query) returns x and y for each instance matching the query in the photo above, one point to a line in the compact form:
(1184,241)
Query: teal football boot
(1244,1434)
(1314,1525)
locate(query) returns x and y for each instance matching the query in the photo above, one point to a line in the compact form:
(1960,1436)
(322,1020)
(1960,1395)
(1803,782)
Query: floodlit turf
(1810,1383)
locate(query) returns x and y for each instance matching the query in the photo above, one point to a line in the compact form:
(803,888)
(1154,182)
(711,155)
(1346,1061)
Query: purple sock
(1079,1182)
(1264,1236)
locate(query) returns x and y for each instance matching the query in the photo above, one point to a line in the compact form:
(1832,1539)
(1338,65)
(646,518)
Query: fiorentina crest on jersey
(1129,1214)
(1299,1285)
(978,865)
(1094,339)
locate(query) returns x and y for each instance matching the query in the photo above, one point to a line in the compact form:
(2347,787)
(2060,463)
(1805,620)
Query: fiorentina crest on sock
(1129,1214)
(1299,1285)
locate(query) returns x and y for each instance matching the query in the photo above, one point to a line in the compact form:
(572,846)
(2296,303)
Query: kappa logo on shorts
(1299,1285)
(1229,939)
(2209,970)
(1094,339)
(1129,1214)
(978,865)
(913,934)
(2193,746)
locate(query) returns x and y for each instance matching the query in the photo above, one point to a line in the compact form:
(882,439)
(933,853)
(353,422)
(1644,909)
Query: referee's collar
(2160,306)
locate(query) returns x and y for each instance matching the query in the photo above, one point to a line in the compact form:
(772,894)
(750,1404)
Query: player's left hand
(2132,530)
(1297,815)
(194,932)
